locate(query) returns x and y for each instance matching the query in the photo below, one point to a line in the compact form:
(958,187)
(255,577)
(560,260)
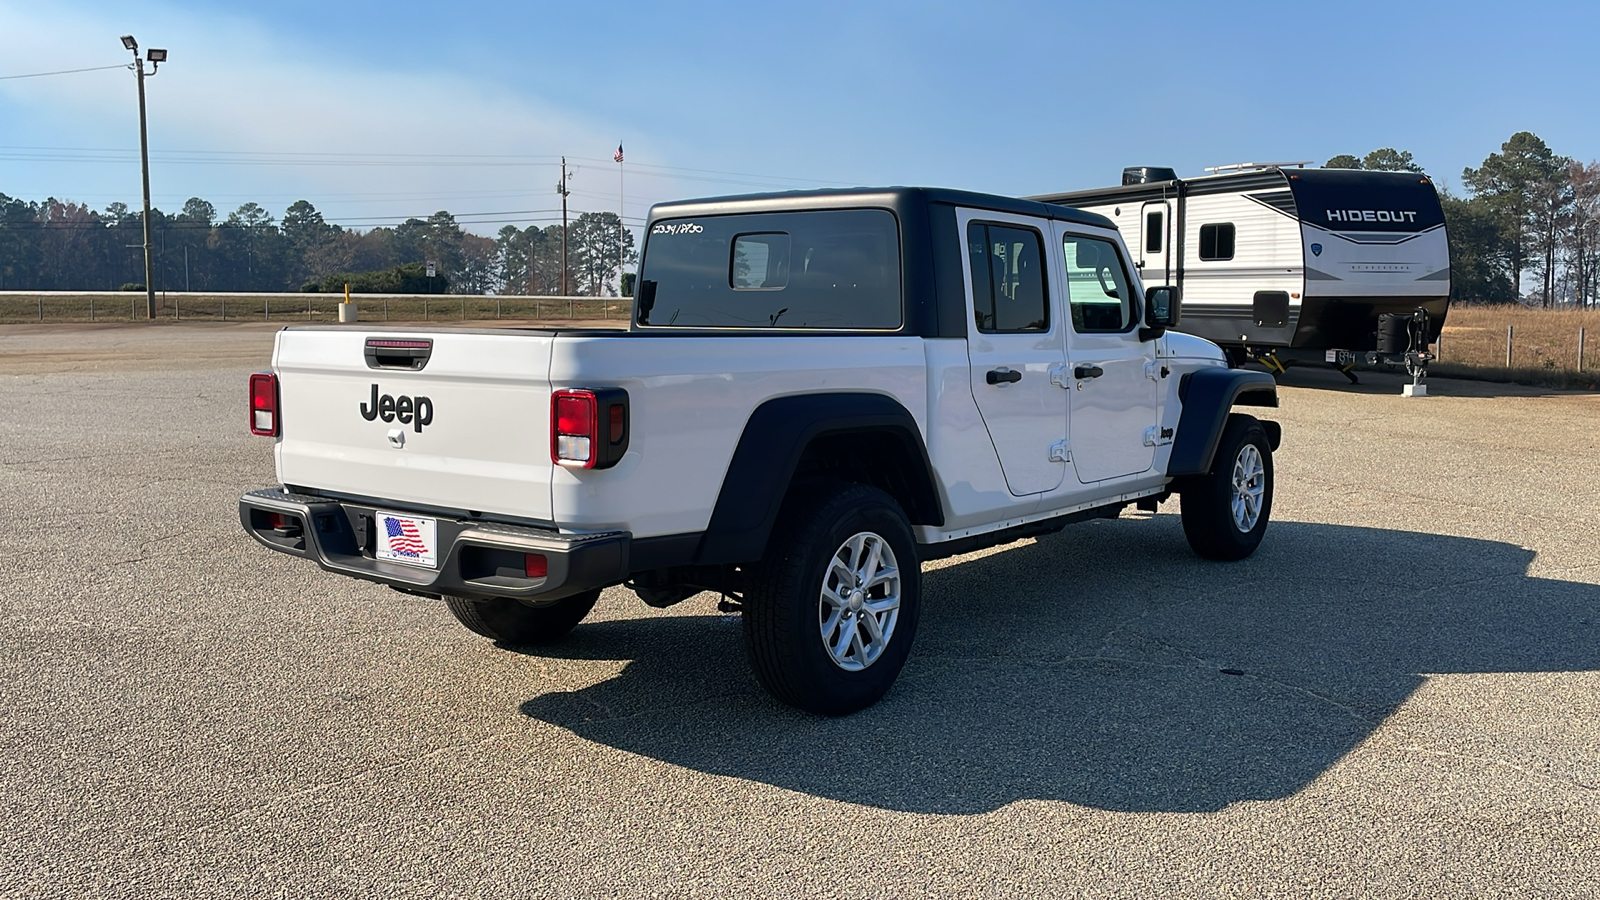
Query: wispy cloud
(233,87)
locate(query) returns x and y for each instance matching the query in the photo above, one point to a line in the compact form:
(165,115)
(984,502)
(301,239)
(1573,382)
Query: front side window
(1097,286)
(1008,289)
(1216,241)
(824,269)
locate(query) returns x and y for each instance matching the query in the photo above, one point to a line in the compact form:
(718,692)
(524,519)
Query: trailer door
(1155,239)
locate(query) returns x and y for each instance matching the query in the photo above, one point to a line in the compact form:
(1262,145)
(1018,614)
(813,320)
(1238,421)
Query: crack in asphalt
(1531,773)
(144,546)
(286,797)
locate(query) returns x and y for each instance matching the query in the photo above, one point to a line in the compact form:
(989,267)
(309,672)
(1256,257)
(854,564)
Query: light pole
(155,58)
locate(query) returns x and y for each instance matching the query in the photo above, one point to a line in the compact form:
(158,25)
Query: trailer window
(823,269)
(1216,241)
(1097,286)
(1152,232)
(1008,289)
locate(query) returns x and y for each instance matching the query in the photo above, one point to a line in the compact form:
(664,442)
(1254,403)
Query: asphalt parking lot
(1399,695)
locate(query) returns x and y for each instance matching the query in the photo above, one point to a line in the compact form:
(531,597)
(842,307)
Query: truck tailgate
(469,430)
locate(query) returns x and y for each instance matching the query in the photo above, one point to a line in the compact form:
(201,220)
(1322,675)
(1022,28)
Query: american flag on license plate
(404,537)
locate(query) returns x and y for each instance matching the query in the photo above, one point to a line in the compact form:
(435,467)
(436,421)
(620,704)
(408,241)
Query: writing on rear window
(677,228)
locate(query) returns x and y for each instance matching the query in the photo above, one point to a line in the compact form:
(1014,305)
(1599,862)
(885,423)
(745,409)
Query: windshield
(830,269)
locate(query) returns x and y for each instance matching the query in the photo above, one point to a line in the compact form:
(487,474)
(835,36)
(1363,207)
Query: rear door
(465,426)
(1113,374)
(1014,343)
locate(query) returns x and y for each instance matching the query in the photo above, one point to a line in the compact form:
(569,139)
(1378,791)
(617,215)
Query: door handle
(1003,376)
(1085,372)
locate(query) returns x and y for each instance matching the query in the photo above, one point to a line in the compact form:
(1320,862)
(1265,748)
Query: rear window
(829,269)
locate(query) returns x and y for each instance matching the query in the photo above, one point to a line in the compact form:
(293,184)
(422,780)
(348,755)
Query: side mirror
(1161,307)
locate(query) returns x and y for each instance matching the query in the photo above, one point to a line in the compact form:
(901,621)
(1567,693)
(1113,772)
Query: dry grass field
(1544,345)
(1544,342)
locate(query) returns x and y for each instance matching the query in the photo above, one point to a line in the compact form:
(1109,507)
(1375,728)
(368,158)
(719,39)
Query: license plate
(413,540)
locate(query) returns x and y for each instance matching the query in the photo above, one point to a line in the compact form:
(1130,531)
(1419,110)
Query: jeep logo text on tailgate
(415,411)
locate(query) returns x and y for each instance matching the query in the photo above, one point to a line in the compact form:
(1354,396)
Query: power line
(303,158)
(62,72)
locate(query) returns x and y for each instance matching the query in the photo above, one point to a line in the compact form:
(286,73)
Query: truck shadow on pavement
(1105,666)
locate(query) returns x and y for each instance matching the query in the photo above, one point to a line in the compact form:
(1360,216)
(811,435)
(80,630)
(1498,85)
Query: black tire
(1209,520)
(785,615)
(511,622)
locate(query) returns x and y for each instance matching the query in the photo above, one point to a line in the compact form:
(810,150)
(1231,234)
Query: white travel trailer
(1283,264)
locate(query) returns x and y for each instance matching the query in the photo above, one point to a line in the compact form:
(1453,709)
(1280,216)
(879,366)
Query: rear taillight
(572,429)
(588,428)
(264,404)
(536,565)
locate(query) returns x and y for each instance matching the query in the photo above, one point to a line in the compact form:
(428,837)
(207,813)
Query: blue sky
(377,111)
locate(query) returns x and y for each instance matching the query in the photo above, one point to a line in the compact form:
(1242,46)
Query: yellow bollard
(347,310)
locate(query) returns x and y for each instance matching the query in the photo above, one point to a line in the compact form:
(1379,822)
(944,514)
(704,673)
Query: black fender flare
(775,439)
(1207,396)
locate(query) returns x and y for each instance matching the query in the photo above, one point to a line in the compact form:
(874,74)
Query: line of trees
(1527,230)
(61,245)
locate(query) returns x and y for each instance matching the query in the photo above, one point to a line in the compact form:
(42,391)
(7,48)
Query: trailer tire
(840,555)
(1226,510)
(511,622)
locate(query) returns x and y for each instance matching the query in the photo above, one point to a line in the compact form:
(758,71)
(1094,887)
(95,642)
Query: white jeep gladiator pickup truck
(817,392)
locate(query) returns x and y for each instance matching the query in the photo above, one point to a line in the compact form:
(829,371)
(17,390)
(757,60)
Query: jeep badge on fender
(415,411)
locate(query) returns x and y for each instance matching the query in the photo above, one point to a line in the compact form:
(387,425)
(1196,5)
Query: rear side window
(1216,241)
(1008,290)
(825,269)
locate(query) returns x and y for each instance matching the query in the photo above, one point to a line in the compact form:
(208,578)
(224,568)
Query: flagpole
(622,225)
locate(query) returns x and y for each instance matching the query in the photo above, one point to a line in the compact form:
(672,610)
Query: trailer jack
(1271,361)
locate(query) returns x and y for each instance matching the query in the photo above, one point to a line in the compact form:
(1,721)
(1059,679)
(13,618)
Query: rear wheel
(832,611)
(1225,511)
(512,622)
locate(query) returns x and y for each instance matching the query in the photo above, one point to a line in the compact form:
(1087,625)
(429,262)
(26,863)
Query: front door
(1014,343)
(1113,375)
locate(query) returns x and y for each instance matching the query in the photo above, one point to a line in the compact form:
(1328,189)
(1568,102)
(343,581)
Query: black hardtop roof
(894,198)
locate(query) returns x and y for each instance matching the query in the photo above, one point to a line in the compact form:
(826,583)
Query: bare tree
(1583,233)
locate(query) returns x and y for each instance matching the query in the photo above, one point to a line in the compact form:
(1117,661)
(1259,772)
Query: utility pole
(156,58)
(561,188)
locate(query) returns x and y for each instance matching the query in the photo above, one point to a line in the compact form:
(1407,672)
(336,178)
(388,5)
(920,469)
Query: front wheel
(832,611)
(511,622)
(1225,511)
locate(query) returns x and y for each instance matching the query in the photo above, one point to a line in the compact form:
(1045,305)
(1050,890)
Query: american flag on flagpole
(618,155)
